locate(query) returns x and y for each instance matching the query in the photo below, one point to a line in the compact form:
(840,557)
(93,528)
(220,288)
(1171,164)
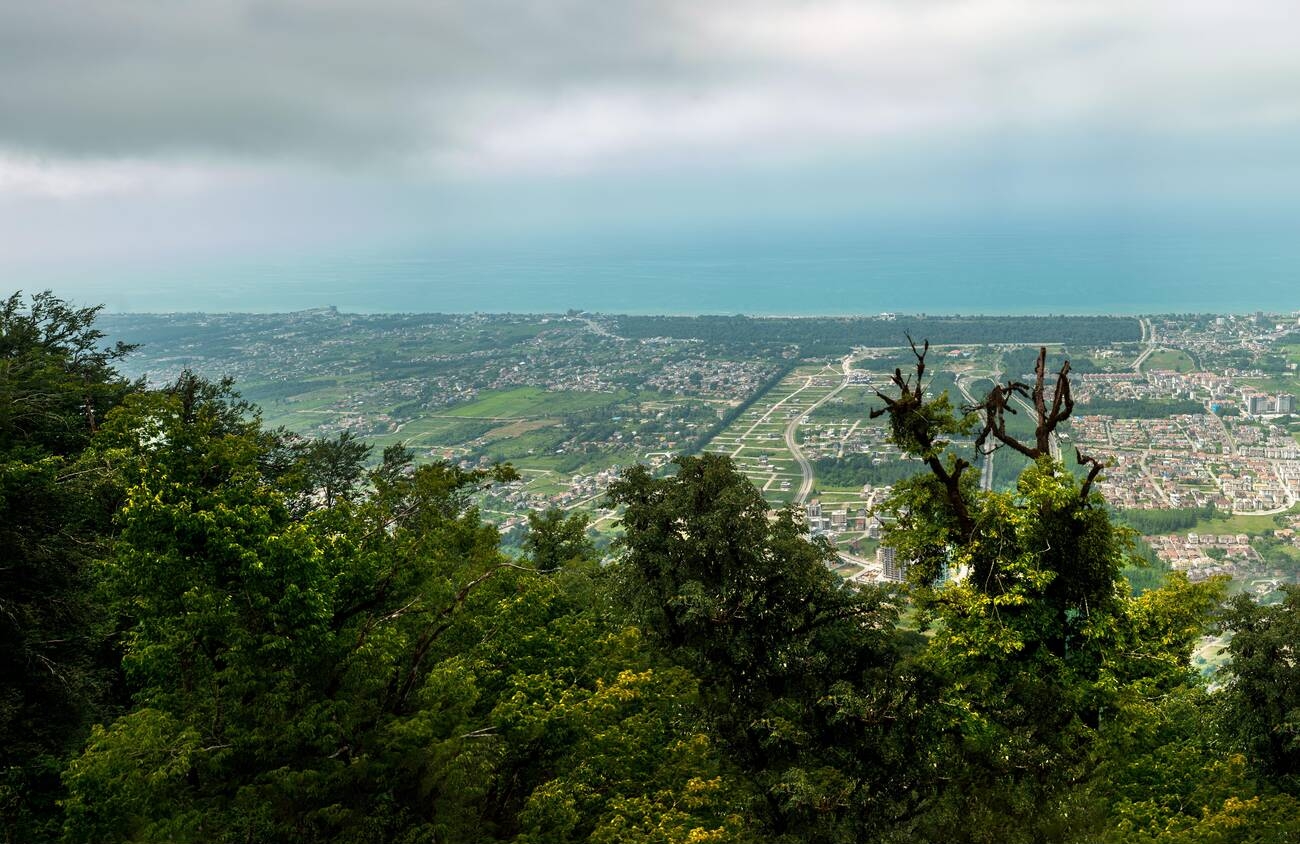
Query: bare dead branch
(905,411)
(999,402)
(1096,465)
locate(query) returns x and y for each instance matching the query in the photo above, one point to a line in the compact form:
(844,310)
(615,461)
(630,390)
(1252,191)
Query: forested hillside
(215,632)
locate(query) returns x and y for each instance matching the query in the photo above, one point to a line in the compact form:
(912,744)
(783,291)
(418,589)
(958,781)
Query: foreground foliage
(214,632)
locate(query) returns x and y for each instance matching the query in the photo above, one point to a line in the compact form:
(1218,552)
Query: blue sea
(970,268)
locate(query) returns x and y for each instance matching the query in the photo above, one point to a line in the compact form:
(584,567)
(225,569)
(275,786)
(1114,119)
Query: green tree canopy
(1261,701)
(57,381)
(799,672)
(1039,649)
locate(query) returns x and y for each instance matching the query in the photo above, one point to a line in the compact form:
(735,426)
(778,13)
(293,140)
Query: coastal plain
(1194,415)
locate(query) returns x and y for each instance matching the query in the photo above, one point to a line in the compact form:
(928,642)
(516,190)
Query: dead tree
(912,425)
(998,403)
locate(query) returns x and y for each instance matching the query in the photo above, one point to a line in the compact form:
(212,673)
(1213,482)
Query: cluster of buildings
(1191,460)
(1204,556)
(832,521)
(885,567)
(510,503)
(1263,404)
(710,377)
(361,424)
(1217,390)
(842,520)
(836,439)
(1263,440)
(1211,337)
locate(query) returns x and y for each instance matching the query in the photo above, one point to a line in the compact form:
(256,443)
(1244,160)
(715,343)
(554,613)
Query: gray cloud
(473,88)
(277,77)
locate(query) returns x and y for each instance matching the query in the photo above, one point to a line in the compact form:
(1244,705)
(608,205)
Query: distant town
(1195,416)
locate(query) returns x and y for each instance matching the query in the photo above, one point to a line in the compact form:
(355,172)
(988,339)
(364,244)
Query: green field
(533,403)
(1274,383)
(855,402)
(1175,359)
(1250,525)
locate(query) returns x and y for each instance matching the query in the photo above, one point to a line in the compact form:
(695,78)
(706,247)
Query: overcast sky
(154,129)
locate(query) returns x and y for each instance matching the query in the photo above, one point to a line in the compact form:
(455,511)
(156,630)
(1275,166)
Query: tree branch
(910,423)
(998,403)
(1097,466)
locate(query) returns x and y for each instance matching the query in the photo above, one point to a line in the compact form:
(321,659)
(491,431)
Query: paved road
(1053,442)
(986,468)
(805,467)
(1148,337)
(600,330)
(770,411)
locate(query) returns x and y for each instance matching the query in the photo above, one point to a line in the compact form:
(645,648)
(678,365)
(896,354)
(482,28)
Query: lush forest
(1149,522)
(854,470)
(832,335)
(215,632)
(1020,363)
(1139,408)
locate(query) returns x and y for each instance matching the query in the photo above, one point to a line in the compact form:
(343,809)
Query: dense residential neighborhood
(1192,413)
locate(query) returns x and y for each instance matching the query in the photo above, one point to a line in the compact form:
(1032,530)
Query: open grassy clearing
(841,501)
(433,433)
(278,395)
(1175,359)
(533,443)
(1250,525)
(1274,383)
(515,429)
(563,471)
(1211,655)
(532,402)
(1253,525)
(782,467)
(306,403)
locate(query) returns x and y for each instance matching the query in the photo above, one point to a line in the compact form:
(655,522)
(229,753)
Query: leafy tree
(333,468)
(276,645)
(1168,521)
(555,538)
(57,381)
(1170,778)
(797,671)
(374,670)
(1141,408)
(1036,641)
(1261,701)
(856,469)
(268,656)
(1147,569)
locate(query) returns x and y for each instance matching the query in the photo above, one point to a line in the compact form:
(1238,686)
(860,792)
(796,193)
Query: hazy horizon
(156,156)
